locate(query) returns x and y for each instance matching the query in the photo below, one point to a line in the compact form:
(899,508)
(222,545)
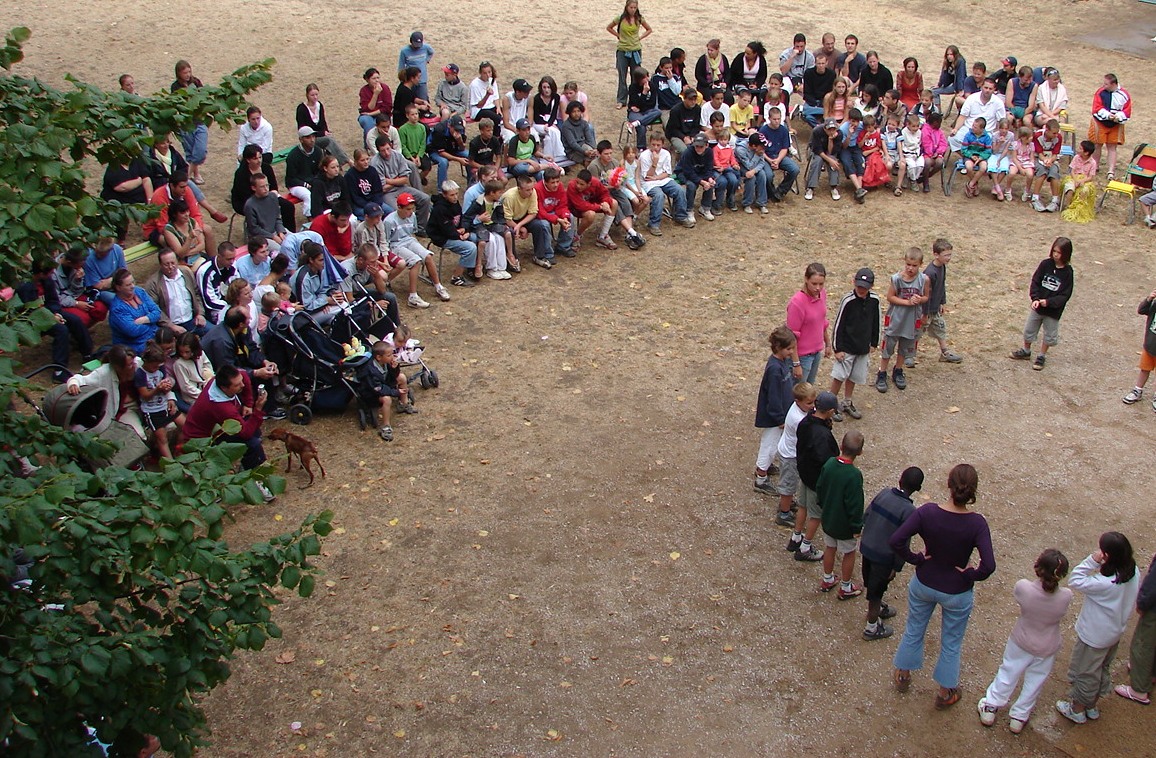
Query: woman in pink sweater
(807,318)
(1035,640)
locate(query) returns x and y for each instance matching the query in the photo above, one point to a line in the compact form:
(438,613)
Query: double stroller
(317,373)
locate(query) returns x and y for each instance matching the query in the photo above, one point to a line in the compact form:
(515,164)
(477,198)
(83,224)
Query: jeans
(790,168)
(466,251)
(813,114)
(691,189)
(818,165)
(852,160)
(956,609)
(624,60)
(196,144)
(543,233)
(755,188)
(367,123)
(443,164)
(254,451)
(523,169)
(672,190)
(810,363)
(640,121)
(191,326)
(937,91)
(725,185)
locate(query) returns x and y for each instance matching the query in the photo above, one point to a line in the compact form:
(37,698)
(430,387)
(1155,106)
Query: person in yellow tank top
(629,28)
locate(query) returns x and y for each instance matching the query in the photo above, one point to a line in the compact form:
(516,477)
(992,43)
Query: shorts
(906,346)
(998,165)
(842,547)
(936,326)
(788,476)
(156,420)
(1017,111)
(1147,361)
(411,252)
(1148,199)
(852,368)
(809,500)
(876,579)
(1049,172)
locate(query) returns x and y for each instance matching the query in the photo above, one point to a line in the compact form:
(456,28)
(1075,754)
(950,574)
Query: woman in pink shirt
(1035,640)
(807,318)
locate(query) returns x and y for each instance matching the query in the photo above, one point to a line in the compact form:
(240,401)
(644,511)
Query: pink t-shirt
(1083,167)
(1038,628)
(807,318)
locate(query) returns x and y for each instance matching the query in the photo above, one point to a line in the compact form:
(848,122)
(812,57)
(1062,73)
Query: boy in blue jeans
(909,289)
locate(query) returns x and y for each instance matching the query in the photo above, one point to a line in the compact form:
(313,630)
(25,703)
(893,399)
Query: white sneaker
(265,493)
(415,301)
(495,274)
(763,210)
(809,194)
(749,209)
(1025,197)
(794,151)
(1015,726)
(1054,205)
(1037,205)
(986,712)
(443,293)
(706,213)
(835,193)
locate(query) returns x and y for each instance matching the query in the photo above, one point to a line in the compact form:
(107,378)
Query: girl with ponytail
(1035,640)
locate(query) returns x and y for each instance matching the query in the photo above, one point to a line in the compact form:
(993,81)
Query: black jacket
(683,121)
(815,445)
(375,380)
(857,324)
(221,346)
(445,218)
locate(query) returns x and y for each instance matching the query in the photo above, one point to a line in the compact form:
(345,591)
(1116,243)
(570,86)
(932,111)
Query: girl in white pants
(1035,640)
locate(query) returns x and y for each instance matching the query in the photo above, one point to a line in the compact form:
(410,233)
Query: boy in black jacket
(447,231)
(1051,289)
(379,381)
(814,446)
(1148,352)
(856,334)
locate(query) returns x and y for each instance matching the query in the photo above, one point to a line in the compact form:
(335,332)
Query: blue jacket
(692,168)
(122,319)
(776,393)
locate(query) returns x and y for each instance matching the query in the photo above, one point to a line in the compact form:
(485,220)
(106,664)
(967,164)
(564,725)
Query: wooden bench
(281,155)
(140,252)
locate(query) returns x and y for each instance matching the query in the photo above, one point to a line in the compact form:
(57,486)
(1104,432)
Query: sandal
(902,679)
(516,267)
(606,242)
(1111,175)
(898,192)
(1126,691)
(952,698)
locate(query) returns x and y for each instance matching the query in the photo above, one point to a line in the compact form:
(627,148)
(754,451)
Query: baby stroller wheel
(363,418)
(300,414)
(433,378)
(424,380)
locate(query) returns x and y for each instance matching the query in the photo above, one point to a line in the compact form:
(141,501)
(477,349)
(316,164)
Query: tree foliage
(135,601)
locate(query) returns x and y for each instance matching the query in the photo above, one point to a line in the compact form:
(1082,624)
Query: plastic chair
(1127,189)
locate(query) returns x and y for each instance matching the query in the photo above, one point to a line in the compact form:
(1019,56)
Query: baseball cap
(865,277)
(690,92)
(831,124)
(450,69)
(374,210)
(758,138)
(306,131)
(522,124)
(404,199)
(521,85)
(1010,61)
(826,401)
(700,140)
(457,123)
(416,38)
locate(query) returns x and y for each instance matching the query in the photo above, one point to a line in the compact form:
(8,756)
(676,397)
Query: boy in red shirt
(553,208)
(587,197)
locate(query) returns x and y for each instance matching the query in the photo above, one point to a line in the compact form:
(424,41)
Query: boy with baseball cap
(856,334)
(399,230)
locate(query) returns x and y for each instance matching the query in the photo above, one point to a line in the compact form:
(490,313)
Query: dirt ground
(562,553)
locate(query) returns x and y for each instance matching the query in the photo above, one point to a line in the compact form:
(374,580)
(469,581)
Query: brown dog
(297,445)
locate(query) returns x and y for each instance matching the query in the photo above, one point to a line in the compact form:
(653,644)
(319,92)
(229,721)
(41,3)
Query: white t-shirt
(478,90)
(974,107)
(790,431)
(708,110)
(661,165)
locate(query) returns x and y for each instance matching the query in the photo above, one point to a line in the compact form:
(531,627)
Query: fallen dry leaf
(553,735)
(286,657)
(675,555)
(649,498)
(953,409)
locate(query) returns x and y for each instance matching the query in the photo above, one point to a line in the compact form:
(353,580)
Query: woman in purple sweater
(943,577)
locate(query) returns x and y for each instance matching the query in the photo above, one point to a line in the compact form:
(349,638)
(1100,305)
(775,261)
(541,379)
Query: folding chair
(949,173)
(429,245)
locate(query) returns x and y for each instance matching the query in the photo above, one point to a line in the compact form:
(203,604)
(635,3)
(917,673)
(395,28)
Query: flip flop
(1126,691)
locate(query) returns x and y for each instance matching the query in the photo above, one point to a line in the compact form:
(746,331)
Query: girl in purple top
(1031,649)
(807,318)
(943,577)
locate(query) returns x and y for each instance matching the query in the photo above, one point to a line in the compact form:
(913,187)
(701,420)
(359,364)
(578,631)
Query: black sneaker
(880,632)
(1021,354)
(850,409)
(785,519)
(567,253)
(881,381)
(811,555)
(899,379)
(886,611)
(277,413)
(766,488)
(837,416)
(1041,359)
(793,544)
(773,470)
(632,242)
(461,281)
